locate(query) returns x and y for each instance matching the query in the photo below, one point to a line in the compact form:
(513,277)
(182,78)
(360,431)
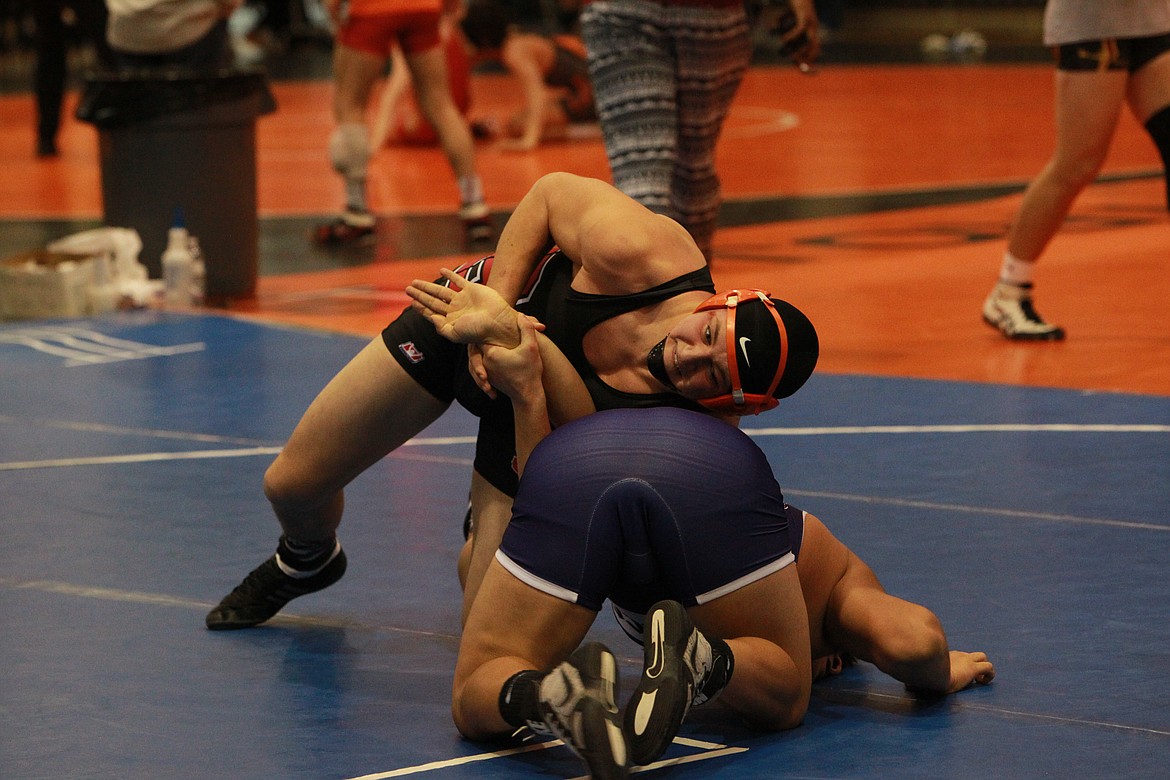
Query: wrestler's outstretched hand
(968,668)
(465,312)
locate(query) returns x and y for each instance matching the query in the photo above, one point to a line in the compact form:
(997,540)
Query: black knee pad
(1158,126)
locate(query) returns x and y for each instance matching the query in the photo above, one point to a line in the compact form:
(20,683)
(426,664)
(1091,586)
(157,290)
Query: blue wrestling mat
(1033,522)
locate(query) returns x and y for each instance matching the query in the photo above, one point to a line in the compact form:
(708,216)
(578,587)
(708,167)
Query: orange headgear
(772,349)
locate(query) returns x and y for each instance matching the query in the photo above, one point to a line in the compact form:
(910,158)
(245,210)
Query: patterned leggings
(664,77)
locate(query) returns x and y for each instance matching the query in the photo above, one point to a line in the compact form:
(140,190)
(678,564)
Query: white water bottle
(198,272)
(178,268)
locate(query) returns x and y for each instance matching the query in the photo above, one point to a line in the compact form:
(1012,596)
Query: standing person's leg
(92,16)
(1088,104)
(49,73)
(428,70)
(277,20)
(635,88)
(355,72)
(1149,99)
(714,50)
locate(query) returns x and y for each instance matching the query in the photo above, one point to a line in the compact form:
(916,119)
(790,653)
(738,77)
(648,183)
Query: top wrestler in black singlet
(441,366)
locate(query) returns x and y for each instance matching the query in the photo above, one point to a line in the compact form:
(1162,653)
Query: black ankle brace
(520,698)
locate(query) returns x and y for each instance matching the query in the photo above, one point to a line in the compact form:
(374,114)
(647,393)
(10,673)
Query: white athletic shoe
(577,702)
(1009,309)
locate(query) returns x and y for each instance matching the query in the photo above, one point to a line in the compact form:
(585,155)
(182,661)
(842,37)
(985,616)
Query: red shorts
(415,31)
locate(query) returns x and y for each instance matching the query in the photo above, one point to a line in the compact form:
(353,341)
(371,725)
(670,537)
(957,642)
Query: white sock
(470,190)
(1016,271)
(355,195)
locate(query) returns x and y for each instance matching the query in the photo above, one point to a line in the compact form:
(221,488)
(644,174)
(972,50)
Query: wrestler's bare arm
(618,245)
(517,372)
(566,394)
(568,398)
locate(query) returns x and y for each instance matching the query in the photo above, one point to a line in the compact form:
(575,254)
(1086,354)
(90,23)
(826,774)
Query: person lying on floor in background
(551,71)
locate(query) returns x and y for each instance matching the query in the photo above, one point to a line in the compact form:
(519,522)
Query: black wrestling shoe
(577,704)
(266,590)
(477,223)
(352,228)
(679,670)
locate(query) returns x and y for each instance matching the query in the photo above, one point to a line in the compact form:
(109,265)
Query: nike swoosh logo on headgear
(743,340)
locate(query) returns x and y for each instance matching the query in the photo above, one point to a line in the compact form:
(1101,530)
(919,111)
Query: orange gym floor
(875,196)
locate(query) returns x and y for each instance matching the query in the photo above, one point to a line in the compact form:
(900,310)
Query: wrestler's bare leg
(368,410)
(855,615)
(773,675)
(490,512)
(515,628)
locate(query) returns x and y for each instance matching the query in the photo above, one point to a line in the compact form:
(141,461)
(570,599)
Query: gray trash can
(181,141)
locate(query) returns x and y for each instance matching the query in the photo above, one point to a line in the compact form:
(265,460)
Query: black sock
(520,698)
(1158,126)
(307,556)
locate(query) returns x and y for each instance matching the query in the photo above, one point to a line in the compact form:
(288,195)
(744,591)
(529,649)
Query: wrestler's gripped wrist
(506,333)
(530,398)
(513,335)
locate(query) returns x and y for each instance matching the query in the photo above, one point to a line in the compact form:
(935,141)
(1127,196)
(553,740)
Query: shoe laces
(562,692)
(259,580)
(700,661)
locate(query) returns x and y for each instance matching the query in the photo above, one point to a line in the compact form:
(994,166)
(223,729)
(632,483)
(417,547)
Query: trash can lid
(128,96)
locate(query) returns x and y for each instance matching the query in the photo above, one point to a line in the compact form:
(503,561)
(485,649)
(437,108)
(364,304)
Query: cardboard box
(38,284)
